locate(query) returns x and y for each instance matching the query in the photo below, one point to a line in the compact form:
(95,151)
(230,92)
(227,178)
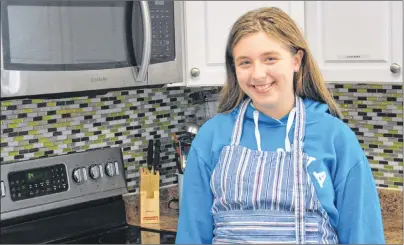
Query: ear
(297,60)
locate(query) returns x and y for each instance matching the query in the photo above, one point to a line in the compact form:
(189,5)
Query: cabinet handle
(395,68)
(195,72)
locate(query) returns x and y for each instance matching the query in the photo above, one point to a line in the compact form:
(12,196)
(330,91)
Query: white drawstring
(288,126)
(257,133)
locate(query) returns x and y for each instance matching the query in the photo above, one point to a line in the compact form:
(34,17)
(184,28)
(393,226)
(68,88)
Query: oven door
(53,46)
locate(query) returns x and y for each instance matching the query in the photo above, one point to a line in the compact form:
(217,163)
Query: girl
(277,164)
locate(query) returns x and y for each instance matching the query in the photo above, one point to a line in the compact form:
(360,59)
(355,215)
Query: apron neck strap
(297,112)
(238,126)
(299,185)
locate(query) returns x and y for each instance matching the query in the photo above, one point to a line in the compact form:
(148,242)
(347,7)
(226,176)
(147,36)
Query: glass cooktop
(127,235)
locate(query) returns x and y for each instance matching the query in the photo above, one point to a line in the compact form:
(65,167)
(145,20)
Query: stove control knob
(110,169)
(77,175)
(94,172)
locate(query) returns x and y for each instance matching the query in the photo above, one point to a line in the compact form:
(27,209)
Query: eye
(244,63)
(271,60)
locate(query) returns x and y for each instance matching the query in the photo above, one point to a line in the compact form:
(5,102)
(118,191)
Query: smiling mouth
(263,88)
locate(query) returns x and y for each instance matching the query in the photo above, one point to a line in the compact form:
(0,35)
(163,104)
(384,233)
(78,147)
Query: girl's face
(264,70)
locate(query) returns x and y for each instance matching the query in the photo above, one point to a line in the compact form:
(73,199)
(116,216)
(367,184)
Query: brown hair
(308,81)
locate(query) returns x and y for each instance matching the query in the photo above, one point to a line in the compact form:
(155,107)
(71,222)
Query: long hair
(308,81)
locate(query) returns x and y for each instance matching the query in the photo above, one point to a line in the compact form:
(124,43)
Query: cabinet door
(207,25)
(356,41)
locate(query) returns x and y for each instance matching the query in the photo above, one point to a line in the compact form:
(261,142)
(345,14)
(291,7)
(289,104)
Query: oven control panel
(36,182)
(47,183)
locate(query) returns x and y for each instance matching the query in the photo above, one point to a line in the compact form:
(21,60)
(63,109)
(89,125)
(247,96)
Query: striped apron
(267,197)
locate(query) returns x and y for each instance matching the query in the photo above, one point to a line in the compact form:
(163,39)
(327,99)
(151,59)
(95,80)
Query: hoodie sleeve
(357,201)
(195,224)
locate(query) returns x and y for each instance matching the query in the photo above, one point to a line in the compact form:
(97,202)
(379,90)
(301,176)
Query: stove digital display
(38,182)
(33,177)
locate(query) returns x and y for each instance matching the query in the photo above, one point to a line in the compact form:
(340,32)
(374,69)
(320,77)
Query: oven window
(67,35)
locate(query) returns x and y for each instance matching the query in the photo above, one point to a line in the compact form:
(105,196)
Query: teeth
(263,87)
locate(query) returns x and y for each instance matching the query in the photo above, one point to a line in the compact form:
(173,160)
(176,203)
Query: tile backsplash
(375,114)
(33,128)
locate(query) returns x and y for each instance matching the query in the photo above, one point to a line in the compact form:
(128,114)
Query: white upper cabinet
(359,42)
(207,25)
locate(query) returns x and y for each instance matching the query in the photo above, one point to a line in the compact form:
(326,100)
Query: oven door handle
(147,42)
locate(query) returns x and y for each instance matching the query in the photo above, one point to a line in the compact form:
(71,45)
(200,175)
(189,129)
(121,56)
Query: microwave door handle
(147,41)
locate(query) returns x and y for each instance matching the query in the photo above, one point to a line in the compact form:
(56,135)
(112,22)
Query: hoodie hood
(315,111)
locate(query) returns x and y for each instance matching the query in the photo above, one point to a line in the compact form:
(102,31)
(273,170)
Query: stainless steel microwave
(53,46)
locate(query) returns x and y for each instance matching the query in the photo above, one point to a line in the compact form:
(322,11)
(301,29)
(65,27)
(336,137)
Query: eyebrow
(264,54)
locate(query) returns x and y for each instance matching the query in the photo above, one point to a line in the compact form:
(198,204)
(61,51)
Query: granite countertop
(391,212)
(393,229)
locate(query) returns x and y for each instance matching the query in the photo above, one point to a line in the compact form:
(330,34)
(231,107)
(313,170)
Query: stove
(125,235)
(74,198)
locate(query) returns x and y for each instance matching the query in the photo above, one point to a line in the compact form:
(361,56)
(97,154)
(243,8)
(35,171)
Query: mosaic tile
(375,114)
(32,128)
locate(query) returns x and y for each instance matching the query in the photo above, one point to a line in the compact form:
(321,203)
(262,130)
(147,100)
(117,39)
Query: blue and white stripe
(267,197)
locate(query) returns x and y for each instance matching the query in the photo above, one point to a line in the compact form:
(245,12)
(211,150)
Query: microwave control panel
(163,33)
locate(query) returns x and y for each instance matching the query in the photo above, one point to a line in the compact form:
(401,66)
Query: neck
(276,111)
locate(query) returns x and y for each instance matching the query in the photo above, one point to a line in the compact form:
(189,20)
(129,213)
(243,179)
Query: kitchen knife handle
(150,156)
(157,156)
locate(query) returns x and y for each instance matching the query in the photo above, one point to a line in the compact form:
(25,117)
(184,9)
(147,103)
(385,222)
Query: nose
(260,71)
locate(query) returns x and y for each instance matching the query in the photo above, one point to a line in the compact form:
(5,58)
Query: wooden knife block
(149,196)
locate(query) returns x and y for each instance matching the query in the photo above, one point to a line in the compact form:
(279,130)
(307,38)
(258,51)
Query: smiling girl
(277,164)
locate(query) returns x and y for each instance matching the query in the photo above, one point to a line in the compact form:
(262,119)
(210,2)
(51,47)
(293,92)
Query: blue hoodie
(349,195)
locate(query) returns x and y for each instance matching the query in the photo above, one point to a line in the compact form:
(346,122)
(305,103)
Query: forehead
(258,43)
